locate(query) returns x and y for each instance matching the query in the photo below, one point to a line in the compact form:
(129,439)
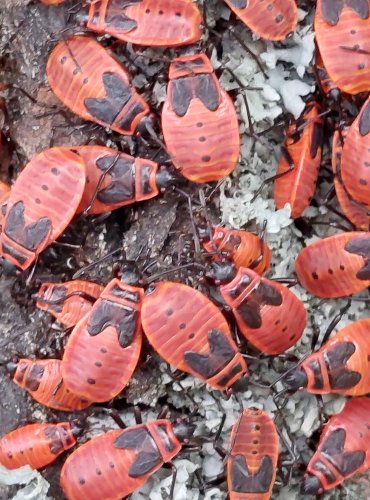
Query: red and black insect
(191,333)
(198,112)
(343,449)
(268,314)
(357,213)
(243,248)
(253,456)
(161,23)
(342,29)
(113,465)
(42,379)
(115,179)
(298,169)
(95,86)
(355,160)
(41,204)
(271,19)
(70,301)
(341,366)
(37,445)
(104,347)
(336,266)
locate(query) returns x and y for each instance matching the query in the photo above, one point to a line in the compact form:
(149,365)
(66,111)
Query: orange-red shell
(190,333)
(271,19)
(245,249)
(342,32)
(42,379)
(68,302)
(335,266)
(104,347)
(129,179)
(36,445)
(148,22)
(113,465)
(268,314)
(41,204)
(341,365)
(94,86)
(343,449)
(355,161)
(253,456)
(303,145)
(356,212)
(199,121)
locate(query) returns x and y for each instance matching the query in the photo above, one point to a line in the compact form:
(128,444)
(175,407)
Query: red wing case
(199,121)
(41,204)
(270,19)
(94,86)
(156,23)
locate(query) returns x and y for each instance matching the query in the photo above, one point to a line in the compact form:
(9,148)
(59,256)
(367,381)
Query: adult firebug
(335,266)
(243,248)
(41,204)
(342,29)
(340,366)
(37,445)
(104,347)
(299,166)
(95,86)
(113,465)
(115,179)
(268,314)
(70,301)
(356,212)
(199,121)
(355,160)
(253,456)
(343,449)
(270,19)
(42,379)
(161,23)
(189,332)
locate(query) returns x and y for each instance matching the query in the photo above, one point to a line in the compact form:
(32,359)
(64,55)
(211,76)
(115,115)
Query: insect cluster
(229,314)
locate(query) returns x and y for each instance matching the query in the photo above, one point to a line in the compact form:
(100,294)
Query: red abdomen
(254,450)
(343,449)
(268,314)
(342,32)
(190,333)
(148,22)
(42,379)
(354,211)
(245,249)
(199,121)
(341,366)
(271,19)
(127,180)
(36,445)
(303,146)
(113,465)
(41,204)
(335,266)
(104,347)
(356,158)
(94,86)
(68,302)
